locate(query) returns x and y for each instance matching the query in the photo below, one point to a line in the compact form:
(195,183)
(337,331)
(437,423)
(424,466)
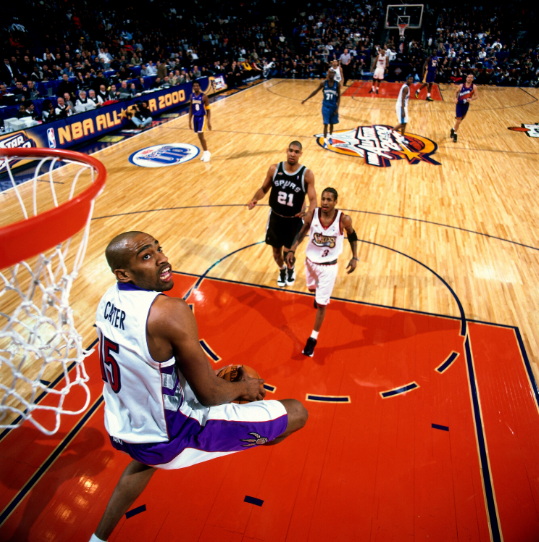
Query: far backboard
(411,14)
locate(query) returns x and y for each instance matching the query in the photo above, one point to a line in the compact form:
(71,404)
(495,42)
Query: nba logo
(51,138)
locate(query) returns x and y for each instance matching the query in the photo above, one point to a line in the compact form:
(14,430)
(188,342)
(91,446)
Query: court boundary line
(51,459)
(375,213)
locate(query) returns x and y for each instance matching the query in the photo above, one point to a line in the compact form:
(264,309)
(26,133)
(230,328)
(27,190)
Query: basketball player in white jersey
(325,226)
(289,182)
(381,62)
(337,70)
(402,105)
(164,404)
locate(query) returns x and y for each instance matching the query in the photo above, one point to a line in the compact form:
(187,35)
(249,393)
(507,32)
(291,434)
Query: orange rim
(34,235)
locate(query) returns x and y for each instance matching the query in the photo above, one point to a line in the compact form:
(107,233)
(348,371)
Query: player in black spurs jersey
(289,182)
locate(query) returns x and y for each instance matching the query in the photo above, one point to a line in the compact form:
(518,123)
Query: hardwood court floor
(469,221)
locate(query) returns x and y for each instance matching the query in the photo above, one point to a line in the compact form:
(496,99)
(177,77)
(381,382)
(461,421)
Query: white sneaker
(206,156)
(325,143)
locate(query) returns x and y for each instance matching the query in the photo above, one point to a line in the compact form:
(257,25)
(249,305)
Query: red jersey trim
(331,223)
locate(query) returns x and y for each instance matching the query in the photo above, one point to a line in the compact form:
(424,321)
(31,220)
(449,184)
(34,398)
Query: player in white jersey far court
(325,226)
(164,404)
(402,105)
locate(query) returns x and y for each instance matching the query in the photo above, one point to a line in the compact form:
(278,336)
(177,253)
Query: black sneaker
(290,276)
(371,91)
(281,281)
(429,99)
(452,133)
(376,91)
(309,347)
(455,137)
(417,93)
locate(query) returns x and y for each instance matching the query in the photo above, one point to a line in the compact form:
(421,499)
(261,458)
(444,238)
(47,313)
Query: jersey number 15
(110,370)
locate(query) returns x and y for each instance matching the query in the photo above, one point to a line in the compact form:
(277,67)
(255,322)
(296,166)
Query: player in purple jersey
(466,93)
(199,113)
(429,75)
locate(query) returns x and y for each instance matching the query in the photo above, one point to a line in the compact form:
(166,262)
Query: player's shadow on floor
(374,330)
(86,450)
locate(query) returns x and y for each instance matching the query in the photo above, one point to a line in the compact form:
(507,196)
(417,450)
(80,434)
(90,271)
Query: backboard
(411,14)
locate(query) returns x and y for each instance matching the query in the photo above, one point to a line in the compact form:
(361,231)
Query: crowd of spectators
(98,52)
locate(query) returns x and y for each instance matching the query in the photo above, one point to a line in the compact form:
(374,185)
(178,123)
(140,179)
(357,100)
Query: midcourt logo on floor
(531,130)
(379,145)
(164,155)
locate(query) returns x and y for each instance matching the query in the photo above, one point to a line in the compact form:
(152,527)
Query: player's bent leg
(132,482)
(297,418)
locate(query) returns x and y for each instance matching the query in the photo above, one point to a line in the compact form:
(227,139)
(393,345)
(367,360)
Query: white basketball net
(38,340)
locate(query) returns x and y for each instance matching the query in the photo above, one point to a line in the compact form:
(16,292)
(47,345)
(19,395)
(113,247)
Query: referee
(345,59)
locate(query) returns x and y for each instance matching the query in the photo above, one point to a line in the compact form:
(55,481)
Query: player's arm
(459,88)
(338,95)
(290,255)
(374,63)
(352,238)
(208,111)
(263,190)
(190,115)
(474,96)
(425,66)
(313,93)
(311,193)
(172,322)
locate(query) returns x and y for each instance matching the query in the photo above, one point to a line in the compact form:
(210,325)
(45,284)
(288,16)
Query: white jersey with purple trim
(145,401)
(325,243)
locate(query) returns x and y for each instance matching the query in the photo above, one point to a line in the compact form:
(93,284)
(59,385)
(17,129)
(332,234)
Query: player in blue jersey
(330,104)
(429,75)
(199,116)
(466,93)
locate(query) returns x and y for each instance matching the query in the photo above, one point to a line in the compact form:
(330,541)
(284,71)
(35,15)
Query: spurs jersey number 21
(325,242)
(287,191)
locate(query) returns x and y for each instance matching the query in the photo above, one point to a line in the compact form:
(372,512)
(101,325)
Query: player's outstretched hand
(252,204)
(352,264)
(209,125)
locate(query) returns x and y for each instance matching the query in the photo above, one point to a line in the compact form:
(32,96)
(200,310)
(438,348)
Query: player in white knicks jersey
(164,404)
(325,226)
(402,105)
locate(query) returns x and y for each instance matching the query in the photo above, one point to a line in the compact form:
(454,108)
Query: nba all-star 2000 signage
(531,130)
(379,145)
(164,155)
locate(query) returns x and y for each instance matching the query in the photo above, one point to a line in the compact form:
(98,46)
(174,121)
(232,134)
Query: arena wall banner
(82,127)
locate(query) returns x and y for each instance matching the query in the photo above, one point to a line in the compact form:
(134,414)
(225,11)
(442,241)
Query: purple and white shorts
(228,428)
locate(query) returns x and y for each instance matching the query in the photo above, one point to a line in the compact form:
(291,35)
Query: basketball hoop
(39,222)
(402,28)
